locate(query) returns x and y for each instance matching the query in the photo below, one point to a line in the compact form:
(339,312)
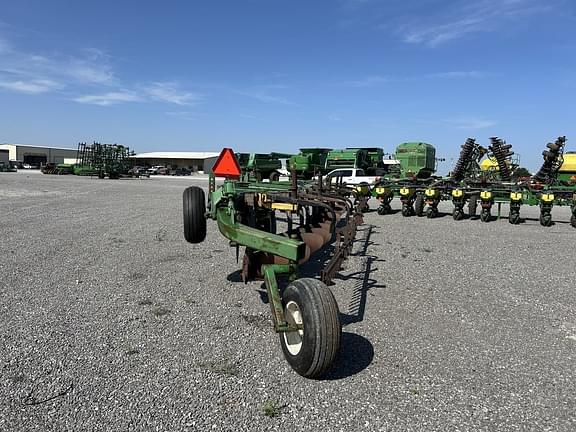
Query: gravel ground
(109,320)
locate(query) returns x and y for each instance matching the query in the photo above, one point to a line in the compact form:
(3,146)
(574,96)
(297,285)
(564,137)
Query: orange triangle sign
(227,165)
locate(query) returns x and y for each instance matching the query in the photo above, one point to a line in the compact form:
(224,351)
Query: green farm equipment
(417,159)
(103,160)
(309,162)
(280,225)
(348,158)
(58,169)
(262,166)
(482,178)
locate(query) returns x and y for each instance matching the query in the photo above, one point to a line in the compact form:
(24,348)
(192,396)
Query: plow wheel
(514,218)
(485,215)
(407,211)
(458,214)
(431,213)
(472,205)
(312,350)
(384,209)
(546,219)
(194,219)
(419,205)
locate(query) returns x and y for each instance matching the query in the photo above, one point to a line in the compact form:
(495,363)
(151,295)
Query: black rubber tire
(431,213)
(485,216)
(472,205)
(457,214)
(194,209)
(406,211)
(381,210)
(419,206)
(274,176)
(322,329)
(546,220)
(514,218)
(573,221)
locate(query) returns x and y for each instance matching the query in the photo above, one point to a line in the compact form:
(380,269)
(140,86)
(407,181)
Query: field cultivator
(103,160)
(484,183)
(281,225)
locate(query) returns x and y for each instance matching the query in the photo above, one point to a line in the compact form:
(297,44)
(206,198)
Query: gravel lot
(109,320)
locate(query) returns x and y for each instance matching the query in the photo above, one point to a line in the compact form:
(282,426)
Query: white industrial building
(196,161)
(39,155)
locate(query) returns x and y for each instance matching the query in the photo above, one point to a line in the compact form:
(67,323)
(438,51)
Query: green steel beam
(285,247)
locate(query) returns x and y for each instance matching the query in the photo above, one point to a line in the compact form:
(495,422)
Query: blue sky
(276,75)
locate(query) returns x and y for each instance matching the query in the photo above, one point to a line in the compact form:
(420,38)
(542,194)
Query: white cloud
(5,47)
(87,68)
(460,18)
(262,93)
(155,92)
(87,72)
(110,98)
(171,93)
(30,87)
(369,81)
(470,123)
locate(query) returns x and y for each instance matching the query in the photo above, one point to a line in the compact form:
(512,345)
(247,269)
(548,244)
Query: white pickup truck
(350,176)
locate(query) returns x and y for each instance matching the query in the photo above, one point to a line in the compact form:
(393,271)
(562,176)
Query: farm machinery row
(280,225)
(482,178)
(100,160)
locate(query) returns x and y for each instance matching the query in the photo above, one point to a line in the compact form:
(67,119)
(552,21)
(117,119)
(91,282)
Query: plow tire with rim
(312,350)
(194,210)
(485,216)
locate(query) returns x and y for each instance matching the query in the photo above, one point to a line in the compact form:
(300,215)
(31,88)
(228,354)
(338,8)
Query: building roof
(39,146)
(175,155)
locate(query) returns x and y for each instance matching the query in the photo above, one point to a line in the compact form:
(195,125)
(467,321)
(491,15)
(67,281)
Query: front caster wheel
(514,218)
(312,350)
(407,211)
(384,209)
(419,206)
(472,205)
(457,214)
(194,219)
(546,220)
(485,216)
(431,213)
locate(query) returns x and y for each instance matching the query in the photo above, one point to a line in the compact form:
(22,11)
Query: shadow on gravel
(356,354)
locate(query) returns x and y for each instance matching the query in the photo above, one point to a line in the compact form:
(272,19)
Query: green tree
(521,172)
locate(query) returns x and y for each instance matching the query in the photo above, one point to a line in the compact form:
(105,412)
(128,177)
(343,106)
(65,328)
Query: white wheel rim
(293,339)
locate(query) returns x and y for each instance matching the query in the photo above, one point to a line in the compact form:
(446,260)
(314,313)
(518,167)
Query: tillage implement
(280,225)
(483,177)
